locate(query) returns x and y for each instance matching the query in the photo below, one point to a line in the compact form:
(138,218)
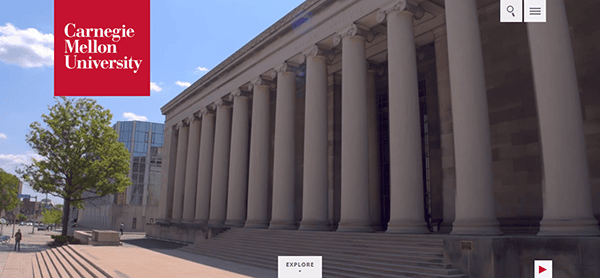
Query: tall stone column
(475,213)
(258,179)
(165,205)
(354,214)
(406,171)
(567,196)
(191,171)
(315,189)
(182,144)
(238,161)
(284,166)
(220,173)
(205,165)
(374,158)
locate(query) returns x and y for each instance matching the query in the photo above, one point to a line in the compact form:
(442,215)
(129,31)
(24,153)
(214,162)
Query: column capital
(261,81)
(190,119)
(283,67)
(400,6)
(237,93)
(181,124)
(207,110)
(354,30)
(315,50)
(222,102)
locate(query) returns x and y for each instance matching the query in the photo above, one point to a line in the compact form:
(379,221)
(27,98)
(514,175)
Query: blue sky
(188,37)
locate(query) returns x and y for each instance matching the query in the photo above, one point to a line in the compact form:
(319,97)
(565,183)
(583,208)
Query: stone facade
(418,117)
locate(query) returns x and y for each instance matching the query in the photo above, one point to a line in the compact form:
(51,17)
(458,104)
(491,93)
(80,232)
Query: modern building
(400,117)
(138,205)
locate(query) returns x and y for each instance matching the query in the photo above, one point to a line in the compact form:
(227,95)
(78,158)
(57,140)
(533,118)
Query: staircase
(65,262)
(349,255)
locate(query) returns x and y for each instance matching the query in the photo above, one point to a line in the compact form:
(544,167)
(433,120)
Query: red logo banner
(102,48)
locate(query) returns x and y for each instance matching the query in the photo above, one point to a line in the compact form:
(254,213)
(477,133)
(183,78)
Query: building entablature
(284,42)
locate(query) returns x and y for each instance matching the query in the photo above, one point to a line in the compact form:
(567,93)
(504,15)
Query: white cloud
(202,69)
(10,162)
(183,84)
(133,117)
(3,136)
(154,87)
(27,48)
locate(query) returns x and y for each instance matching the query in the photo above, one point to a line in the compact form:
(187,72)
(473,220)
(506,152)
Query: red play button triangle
(542,269)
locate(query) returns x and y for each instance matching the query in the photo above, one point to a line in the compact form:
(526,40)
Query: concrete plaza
(137,257)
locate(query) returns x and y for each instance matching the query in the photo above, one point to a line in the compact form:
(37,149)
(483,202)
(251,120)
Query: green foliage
(80,153)
(52,216)
(62,240)
(9,188)
(21,217)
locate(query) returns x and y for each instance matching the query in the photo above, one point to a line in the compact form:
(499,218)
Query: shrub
(62,240)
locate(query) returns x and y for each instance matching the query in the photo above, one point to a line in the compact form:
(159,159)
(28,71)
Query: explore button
(299,267)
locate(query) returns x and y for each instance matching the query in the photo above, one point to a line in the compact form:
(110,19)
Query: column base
(407,227)
(256,224)
(363,227)
(187,222)
(315,226)
(476,227)
(569,228)
(200,222)
(175,220)
(234,223)
(216,223)
(283,225)
(377,226)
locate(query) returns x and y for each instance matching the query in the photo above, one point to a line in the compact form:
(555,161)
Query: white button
(511,11)
(535,10)
(542,269)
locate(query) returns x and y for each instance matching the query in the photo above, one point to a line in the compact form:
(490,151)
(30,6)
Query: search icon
(511,10)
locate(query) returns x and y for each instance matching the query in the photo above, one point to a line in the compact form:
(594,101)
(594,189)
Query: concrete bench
(83,236)
(105,238)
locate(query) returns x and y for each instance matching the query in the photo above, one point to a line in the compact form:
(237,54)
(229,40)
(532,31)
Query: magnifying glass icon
(510,9)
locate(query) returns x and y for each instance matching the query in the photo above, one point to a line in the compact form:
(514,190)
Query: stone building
(426,117)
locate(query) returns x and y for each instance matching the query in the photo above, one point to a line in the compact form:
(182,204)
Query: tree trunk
(65,218)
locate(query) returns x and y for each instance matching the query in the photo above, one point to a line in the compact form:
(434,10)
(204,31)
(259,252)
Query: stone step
(35,267)
(85,263)
(50,266)
(63,262)
(333,252)
(329,270)
(42,265)
(354,245)
(376,252)
(57,264)
(80,271)
(336,235)
(356,262)
(358,241)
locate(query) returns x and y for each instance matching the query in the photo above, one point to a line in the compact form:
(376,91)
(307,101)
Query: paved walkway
(138,257)
(142,257)
(18,264)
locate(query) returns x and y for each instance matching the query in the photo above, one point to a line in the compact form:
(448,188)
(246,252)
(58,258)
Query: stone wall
(499,257)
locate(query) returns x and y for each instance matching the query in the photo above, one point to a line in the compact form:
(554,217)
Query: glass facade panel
(137,140)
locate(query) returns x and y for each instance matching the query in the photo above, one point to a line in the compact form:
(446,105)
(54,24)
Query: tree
(52,216)
(9,188)
(80,154)
(21,217)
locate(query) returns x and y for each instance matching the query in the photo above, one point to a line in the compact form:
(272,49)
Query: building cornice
(280,26)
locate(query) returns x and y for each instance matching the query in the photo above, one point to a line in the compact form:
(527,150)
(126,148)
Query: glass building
(144,141)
